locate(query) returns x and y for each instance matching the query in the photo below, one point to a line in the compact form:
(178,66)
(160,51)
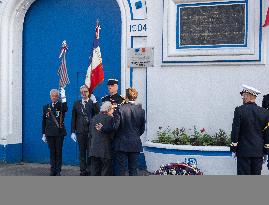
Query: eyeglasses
(84,91)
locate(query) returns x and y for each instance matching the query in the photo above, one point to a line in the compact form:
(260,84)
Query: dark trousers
(101,166)
(249,165)
(128,162)
(83,142)
(55,144)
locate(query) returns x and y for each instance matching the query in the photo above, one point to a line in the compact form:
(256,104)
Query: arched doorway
(47,23)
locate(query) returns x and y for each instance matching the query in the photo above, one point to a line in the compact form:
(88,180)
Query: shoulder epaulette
(267,125)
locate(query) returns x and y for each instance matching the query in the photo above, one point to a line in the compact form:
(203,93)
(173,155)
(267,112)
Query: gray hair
(54,91)
(106,106)
(83,86)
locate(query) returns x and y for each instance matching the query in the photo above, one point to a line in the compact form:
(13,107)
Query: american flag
(62,71)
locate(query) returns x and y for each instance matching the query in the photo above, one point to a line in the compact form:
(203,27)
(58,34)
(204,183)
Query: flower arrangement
(179,169)
(195,138)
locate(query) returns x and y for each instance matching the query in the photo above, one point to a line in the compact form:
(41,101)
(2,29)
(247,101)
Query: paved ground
(28,169)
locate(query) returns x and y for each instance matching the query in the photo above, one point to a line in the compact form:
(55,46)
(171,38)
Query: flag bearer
(53,129)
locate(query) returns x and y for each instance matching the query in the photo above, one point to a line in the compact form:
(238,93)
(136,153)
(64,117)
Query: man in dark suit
(100,150)
(53,129)
(82,113)
(249,133)
(129,123)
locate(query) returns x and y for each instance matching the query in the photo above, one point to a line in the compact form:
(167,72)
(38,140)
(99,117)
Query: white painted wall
(202,94)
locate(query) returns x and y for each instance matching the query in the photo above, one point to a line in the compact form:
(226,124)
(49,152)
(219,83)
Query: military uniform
(54,130)
(248,136)
(115,100)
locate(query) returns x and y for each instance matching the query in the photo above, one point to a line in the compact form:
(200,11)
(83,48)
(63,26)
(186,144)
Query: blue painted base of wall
(186,152)
(142,162)
(11,153)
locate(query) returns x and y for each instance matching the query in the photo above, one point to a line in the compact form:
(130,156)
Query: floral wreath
(178,169)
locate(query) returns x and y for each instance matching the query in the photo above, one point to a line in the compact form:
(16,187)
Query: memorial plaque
(212,25)
(140,57)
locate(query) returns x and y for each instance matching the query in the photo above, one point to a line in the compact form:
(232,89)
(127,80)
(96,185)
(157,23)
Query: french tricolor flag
(266,22)
(95,73)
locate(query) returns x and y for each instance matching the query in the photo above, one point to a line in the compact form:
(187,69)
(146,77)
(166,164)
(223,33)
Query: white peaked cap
(250,90)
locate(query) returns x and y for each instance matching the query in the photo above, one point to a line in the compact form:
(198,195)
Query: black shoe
(52,174)
(83,174)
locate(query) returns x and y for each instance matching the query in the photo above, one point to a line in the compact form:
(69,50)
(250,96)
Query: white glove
(93,98)
(233,155)
(264,158)
(98,126)
(44,139)
(62,93)
(74,137)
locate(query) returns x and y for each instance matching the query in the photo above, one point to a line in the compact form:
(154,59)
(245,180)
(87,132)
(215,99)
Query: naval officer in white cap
(250,133)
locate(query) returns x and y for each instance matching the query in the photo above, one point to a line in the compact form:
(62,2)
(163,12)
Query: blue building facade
(44,29)
(35,29)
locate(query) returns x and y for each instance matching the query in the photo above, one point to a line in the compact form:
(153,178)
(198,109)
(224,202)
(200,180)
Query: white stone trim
(12,14)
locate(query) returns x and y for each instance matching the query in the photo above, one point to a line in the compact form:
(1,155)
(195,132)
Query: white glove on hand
(44,139)
(98,126)
(93,98)
(62,93)
(233,155)
(265,157)
(74,137)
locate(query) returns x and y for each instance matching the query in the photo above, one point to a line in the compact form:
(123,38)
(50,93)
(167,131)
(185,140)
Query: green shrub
(221,138)
(164,136)
(197,138)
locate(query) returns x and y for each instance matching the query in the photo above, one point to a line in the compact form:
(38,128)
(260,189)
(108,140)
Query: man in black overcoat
(249,133)
(100,150)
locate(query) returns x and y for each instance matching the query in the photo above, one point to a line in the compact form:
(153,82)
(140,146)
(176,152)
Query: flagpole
(95,73)
(97,28)
(62,55)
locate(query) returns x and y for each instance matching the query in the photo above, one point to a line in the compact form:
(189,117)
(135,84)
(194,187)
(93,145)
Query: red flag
(95,73)
(266,23)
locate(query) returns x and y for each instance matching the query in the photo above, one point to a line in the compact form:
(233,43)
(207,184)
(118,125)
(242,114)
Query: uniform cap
(112,82)
(250,90)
